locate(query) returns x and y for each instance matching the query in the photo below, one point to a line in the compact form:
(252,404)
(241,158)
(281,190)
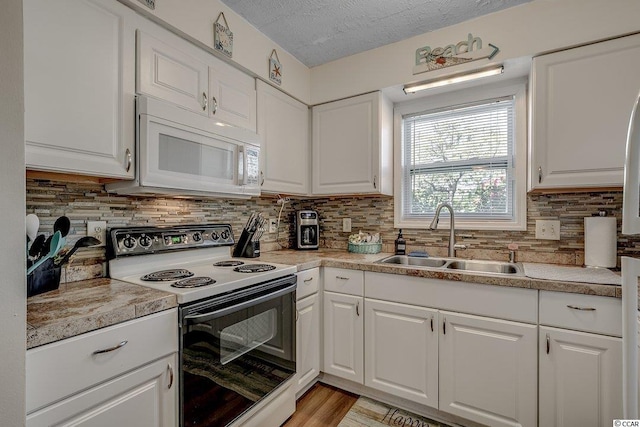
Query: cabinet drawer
(60,369)
(588,313)
(344,281)
(308,281)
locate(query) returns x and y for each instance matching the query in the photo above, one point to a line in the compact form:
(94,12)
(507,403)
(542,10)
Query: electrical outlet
(273,225)
(547,229)
(346,225)
(98,229)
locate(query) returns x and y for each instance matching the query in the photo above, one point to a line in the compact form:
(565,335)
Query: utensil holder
(45,278)
(243,242)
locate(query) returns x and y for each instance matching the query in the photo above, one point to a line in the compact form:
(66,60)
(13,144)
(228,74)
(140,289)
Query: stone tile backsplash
(89,201)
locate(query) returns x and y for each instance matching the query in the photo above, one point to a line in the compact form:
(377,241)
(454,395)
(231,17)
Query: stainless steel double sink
(456,264)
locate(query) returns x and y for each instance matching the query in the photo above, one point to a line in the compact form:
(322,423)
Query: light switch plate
(548,229)
(273,225)
(98,229)
(346,225)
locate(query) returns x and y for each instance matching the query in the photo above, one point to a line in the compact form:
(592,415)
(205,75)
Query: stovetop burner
(254,268)
(228,263)
(166,275)
(193,282)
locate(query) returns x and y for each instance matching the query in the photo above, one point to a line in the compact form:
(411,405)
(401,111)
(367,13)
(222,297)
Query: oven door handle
(205,317)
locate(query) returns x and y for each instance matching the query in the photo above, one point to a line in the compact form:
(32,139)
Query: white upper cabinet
(352,146)
(171,73)
(283,125)
(232,96)
(581,105)
(175,70)
(79,68)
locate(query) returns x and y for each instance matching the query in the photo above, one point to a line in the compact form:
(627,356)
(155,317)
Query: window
(468,150)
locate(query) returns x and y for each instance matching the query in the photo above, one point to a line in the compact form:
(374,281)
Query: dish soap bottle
(401,244)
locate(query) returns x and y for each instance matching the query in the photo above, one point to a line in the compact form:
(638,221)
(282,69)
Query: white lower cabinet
(343,336)
(307,340)
(144,397)
(122,375)
(580,378)
(488,369)
(401,356)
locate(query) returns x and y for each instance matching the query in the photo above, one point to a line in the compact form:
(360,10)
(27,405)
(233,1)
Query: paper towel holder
(600,239)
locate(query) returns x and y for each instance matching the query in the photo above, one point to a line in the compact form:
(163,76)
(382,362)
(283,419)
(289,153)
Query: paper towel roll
(600,241)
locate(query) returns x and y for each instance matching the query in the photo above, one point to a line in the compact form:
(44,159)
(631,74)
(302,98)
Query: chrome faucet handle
(512,256)
(459,246)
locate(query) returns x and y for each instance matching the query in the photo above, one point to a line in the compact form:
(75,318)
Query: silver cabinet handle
(444,326)
(548,344)
(110,349)
(214,105)
(170,369)
(576,307)
(375,177)
(205,104)
(539,174)
(431,323)
(127,154)
(261,178)
(342,278)
(358,309)
(297,314)
(308,280)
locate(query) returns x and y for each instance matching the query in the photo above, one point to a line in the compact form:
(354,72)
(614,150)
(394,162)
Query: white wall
(13,291)
(251,48)
(521,31)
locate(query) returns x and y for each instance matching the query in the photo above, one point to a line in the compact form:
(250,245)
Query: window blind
(462,155)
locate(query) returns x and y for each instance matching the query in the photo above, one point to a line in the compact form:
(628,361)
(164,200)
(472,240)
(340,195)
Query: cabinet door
(580,378)
(283,125)
(581,105)
(79,90)
(144,397)
(488,370)
(232,96)
(307,340)
(401,356)
(343,336)
(346,141)
(172,72)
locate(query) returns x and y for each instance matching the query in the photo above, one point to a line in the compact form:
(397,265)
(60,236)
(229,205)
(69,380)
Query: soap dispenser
(401,244)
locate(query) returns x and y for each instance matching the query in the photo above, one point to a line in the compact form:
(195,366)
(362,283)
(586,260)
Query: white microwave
(181,153)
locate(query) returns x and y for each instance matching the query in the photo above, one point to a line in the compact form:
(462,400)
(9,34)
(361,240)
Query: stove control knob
(129,242)
(214,235)
(224,235)
(197,237)
(145,241)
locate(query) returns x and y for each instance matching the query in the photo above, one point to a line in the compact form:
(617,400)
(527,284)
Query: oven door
(235,350)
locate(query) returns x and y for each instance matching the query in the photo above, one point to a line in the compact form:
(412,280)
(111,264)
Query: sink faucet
(452,228)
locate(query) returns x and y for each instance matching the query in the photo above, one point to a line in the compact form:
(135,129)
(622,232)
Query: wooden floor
(321,406)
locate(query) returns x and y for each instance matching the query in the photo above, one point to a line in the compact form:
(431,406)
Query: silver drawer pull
(110,349)
(342,278)
(308,280)
(575,307)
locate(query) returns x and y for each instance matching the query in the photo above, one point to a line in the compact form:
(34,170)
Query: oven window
(244,336)
(231,362)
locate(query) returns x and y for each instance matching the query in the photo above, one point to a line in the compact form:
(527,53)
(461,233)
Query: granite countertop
(87,305)
(343,259)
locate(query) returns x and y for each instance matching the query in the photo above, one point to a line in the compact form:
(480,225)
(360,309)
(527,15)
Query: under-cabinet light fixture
(456,78)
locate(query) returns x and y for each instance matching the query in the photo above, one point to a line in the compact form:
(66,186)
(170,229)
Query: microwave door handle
(630,218)
(242,166)
(205,317)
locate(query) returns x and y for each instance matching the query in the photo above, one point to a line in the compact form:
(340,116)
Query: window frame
(514,88)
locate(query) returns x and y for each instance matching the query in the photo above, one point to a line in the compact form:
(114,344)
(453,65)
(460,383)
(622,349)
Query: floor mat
(370,413)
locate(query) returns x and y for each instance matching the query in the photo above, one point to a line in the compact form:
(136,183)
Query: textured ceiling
(320,31)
